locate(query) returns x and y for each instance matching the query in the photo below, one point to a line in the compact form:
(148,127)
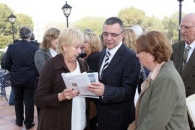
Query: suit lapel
(117,57)
(48,54)
(101,59)
(179,59)
(189,66)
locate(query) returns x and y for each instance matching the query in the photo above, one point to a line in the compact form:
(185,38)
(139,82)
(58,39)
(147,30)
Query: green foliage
(5,41)
(171,26)
(93,23)
(152,23)
(6,26)
(131,16)
(23,20)
(4,22)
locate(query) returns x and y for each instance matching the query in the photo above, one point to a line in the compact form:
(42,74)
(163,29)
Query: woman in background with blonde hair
(92,47)
(130,39)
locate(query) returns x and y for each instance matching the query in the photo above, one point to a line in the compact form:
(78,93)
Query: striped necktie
(185,56)
(106,63)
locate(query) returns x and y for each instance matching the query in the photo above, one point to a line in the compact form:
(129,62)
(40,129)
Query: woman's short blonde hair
(69,37)
(155,43)
(130,38)
(49,35)
(94,41)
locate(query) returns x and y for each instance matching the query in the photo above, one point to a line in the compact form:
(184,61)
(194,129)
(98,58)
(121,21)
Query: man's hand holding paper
(97,88)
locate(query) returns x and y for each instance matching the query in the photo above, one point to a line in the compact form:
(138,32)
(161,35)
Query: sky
(50,10)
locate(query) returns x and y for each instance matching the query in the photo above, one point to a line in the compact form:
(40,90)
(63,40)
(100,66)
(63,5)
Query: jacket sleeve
(39,60)
(45,96)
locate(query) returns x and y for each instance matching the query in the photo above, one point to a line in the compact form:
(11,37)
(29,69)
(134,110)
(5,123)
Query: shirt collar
(156,70)
(53,52)
(192,45)
(114,50)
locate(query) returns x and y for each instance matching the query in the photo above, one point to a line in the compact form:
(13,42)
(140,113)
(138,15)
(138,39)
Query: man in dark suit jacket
(187,71)
(20,63)
(118,80)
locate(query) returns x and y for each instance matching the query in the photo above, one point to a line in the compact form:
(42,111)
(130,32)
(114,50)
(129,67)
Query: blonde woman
(130,38)
(61,108)
(92,47)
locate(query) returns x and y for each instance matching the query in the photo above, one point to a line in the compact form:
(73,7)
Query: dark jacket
(93,61)
(55,115)
(20,63)
(116,110)
(188,73)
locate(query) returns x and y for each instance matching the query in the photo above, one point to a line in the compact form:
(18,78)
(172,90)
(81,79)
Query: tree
(6,27)
(93,23)
(5,40)
(22,20)
(171,26)
(152,23)
(4,22)
(131,16)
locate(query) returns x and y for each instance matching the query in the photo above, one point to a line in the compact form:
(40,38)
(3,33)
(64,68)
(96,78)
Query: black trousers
(24,98)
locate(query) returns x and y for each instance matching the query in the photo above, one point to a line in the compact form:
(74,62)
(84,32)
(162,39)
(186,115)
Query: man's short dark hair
(32,37)
(114,20)
(25,33)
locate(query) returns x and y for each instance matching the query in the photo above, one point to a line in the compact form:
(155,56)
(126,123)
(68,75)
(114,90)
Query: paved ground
(7,115)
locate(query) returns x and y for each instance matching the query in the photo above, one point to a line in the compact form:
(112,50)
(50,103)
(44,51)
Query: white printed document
(190,102)
(80,81)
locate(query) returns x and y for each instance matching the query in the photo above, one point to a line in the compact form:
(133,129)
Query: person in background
(137,29)
(32,40)
(61,108)
(46,51)
(3,66)
(92,47)
(11,97)
(88,30)
(129,40)
(83,54)
(20,63)
(184,54)
(119,70)
(162,102)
